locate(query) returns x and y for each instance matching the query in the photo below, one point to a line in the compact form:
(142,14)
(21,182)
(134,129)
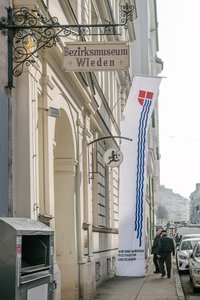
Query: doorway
(65,208)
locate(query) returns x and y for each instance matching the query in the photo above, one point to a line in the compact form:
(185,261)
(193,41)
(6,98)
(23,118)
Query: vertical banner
(138,111)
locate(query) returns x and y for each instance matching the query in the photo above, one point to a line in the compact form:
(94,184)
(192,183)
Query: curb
(178,284)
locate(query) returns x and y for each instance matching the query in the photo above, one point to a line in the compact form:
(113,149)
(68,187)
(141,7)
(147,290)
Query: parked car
(183,252)
(189,236)
(194,267)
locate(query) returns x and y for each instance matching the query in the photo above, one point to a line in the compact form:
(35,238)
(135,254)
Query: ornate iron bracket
(29,31)
(113,137)
(110,137)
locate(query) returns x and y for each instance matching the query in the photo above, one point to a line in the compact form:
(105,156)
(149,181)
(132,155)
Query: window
(97,270)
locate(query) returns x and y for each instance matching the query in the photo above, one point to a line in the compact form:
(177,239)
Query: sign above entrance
(113,157)
(105,56)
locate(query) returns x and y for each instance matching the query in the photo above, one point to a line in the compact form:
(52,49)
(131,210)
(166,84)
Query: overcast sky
(179,99)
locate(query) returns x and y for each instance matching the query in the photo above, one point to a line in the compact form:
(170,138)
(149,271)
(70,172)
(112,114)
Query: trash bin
(26,260)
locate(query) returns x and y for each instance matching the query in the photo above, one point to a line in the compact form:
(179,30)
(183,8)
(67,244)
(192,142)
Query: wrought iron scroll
(128,12)
(29,31)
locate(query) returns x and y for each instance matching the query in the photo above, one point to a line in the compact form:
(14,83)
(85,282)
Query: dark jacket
(154,249)
(166,245)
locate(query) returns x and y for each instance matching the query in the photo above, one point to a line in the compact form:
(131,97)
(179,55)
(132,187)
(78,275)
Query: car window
(186,245)
(193,242)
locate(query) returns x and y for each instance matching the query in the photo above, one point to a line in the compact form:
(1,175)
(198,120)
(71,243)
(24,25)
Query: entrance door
(65,210)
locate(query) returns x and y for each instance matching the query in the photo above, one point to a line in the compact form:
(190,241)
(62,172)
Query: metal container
(26,260)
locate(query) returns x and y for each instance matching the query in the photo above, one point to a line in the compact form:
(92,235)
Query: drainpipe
(10,149)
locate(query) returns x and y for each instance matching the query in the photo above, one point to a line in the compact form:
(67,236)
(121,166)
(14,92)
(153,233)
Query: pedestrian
(165,249)
(154,250)
(177,238)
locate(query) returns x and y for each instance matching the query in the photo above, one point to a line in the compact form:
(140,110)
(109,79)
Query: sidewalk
(151,287)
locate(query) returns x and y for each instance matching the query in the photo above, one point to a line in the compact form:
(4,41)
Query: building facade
(172,207)
(56,127)
(195,205)
(52,146)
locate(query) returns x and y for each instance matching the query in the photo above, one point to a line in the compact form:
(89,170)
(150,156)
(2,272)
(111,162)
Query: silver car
(189,236)
(194,267)
(183,252)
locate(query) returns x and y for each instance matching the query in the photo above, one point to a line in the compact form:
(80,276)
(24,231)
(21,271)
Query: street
(187,287)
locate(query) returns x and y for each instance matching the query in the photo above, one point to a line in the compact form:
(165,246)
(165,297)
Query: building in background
(195,205)
(53,168)
(172,208)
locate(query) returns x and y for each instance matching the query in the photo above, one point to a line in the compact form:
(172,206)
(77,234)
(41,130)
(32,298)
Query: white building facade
(52,142)
(56,122)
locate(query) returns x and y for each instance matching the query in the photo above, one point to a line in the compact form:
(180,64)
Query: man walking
(154,249)
(165,249)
